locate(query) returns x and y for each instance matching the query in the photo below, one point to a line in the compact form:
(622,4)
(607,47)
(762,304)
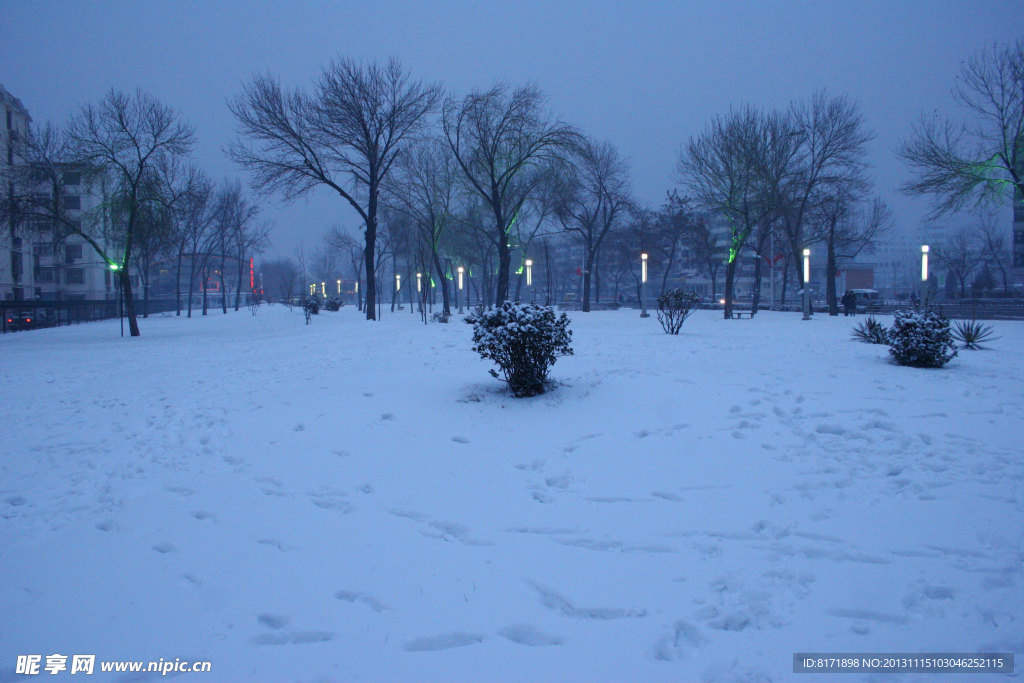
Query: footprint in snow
(368,600)
(274,621)
(299,427)
(387,416)
(164,547)
(524,634)
(293,638)
(460,439)
(14,501)
(445,642)
(203,516)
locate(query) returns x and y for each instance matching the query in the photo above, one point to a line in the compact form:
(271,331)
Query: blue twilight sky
(644,75)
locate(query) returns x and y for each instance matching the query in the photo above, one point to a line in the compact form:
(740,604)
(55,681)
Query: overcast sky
(643,75)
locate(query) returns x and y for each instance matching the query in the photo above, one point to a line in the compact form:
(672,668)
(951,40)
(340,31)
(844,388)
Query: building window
(74,276)
(72,178)
(16,266)
(72,202)
(42,249)
(45,275)
(73,250)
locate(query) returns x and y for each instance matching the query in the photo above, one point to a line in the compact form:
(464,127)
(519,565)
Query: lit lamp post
(120,309)
(924,276)
(461,270)
(339,287)
(643,283)
(807,284)
(323,289)
(529,277)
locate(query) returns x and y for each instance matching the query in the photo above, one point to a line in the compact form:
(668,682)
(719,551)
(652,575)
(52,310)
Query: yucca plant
(971,333)
(871,332)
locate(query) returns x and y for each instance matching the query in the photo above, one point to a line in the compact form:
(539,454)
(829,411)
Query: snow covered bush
(871,332)
(440,317)
(921,339)
(333,304)
(524,340)
(674,307)
(310,306)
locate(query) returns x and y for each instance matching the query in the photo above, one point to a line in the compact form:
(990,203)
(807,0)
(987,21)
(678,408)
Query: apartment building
(15,264)
(36,264)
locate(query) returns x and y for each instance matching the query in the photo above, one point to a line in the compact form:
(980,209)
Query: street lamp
(339,287)
(120,308)
(643,283)
(461,270)
(419,282)
(924,276)
(807,284)
(398,282)
(323,289)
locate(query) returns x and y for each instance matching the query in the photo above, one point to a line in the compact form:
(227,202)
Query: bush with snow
(524,340)
(310,306)
(674,307)
(334,304)
(921,339)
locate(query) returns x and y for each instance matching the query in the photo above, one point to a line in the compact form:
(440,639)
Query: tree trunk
(177,283)
(755,299)
(588,264)
(129,302)
(238,288)
(445,305)
(223,284)
(830,277)
(370,256)
(206,278)
(730,276)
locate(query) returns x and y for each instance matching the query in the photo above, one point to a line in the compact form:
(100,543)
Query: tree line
(480,183)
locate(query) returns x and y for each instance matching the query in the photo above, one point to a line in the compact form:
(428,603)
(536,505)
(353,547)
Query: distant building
(38,265)
(15,278)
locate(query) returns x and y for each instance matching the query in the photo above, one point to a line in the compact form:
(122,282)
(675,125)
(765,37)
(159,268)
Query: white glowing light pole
(924,276)
(120,306)
(458,303)
(323,289)
(339,287)
(529,276)
(807,284)
(643,287)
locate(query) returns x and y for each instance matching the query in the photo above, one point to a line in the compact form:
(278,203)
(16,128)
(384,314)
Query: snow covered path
(362,502)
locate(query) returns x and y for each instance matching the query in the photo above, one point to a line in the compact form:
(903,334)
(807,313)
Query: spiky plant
(871,332)
(971,334)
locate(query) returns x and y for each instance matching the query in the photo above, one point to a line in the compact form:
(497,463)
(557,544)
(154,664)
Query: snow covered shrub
(310,306)
(333,304)
(971,333)
(674,307)
(921,339)
(474,315)
(871,332)
(524,340)
(440,317)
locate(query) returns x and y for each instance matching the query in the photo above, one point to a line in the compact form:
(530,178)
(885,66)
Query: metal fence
(30,315)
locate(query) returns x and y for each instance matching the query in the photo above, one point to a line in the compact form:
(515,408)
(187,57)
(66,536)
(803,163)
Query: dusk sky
(644,75)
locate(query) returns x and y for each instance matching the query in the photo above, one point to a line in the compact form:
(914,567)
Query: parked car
(20,320)
(867,300)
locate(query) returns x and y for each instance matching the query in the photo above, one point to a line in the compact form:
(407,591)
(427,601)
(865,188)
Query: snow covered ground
(351,501)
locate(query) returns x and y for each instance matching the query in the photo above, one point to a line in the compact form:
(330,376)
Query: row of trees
(474,180)
(130,154)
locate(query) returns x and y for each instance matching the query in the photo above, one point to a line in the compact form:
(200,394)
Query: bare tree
(345,136)
(961,254)
(135,140)
(425,189)
(500,139)
(282,275)
(848,227)
(593,200)
(339,240)
(996,246)
(722,169)
(977,162)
